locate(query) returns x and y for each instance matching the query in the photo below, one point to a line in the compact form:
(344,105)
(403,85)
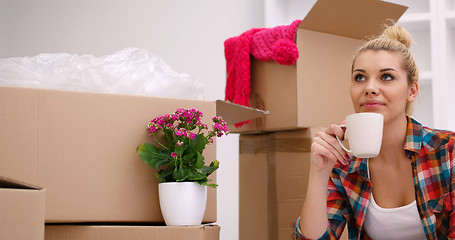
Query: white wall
(188,35)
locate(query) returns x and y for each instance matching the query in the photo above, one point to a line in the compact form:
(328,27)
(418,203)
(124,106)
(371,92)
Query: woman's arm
(326,153)
(313,218)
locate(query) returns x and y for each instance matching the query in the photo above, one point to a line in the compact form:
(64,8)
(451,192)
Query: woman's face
(379,84)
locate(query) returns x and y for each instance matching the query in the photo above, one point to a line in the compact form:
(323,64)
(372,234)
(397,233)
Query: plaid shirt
(432,158)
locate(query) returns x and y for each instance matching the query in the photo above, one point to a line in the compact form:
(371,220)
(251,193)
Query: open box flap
(351,18)
(235,113)
(11,183)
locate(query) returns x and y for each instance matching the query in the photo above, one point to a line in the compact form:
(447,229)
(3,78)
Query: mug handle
(339,141)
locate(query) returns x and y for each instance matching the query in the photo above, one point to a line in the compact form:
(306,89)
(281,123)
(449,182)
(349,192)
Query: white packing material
(131,71)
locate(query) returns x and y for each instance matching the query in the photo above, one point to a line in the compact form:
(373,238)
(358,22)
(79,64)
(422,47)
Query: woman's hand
(327,151)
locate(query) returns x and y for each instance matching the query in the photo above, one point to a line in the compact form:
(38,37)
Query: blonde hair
(397,40)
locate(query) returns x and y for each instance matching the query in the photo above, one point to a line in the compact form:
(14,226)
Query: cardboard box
(82,148)
(315,91)
(21,210)
(68,232)
(273,179)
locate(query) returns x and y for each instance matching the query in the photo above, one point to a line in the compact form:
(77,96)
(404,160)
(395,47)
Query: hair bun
(397,33)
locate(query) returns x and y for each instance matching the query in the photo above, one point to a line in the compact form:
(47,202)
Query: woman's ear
(412,92)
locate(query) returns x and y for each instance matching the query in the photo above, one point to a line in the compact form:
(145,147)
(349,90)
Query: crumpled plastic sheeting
(130,71)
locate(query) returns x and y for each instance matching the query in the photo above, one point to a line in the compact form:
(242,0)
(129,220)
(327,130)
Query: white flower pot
(182,203)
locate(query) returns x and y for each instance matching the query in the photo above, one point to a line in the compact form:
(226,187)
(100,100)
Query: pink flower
(179,143)
(174,155)
(180,132)
(192,136)
(152,129)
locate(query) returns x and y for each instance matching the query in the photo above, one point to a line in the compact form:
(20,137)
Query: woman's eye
(359,78)
(387,77)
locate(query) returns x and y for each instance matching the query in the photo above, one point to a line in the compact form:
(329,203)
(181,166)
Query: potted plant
(180,140)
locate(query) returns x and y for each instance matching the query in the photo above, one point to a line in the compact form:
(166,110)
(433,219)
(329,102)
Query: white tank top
(400,223)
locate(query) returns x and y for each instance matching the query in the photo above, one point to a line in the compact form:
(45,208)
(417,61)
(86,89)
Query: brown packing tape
(270,145)
(272,197)
(259,103)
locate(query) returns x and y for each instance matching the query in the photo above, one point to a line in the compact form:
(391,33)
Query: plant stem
(157,142)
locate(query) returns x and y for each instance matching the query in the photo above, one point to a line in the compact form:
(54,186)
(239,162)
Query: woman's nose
(371,88)
(370,92)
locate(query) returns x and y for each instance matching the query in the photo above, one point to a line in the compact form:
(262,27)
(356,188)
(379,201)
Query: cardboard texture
(82,148)
(21,210)
(315,91)
(273,179)
(71,232)
(242,113)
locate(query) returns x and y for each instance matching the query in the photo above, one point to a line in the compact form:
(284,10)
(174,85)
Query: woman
(407,191)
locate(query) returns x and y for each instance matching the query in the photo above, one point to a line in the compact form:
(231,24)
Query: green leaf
(180,174)
(199,160)
(187,157)
(164,175)
(199,142)
(153,156)
(196,174)
(207,170)
(213,185)
(204,183)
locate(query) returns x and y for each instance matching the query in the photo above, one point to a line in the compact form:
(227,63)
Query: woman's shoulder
(429,132)
(438,132)
(432,139)
(437,137)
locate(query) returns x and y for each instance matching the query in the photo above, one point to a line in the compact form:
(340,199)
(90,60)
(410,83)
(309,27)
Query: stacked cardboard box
(313,93)
(81,232)
(81,147)
(273,173)
(21,210)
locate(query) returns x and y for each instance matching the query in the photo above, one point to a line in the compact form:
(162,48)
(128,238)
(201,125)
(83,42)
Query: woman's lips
(372,104)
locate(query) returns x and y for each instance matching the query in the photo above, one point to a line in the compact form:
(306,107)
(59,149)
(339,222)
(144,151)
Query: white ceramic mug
(364,134)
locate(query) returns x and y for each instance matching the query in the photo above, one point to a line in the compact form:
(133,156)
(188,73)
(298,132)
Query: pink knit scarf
(264,44)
